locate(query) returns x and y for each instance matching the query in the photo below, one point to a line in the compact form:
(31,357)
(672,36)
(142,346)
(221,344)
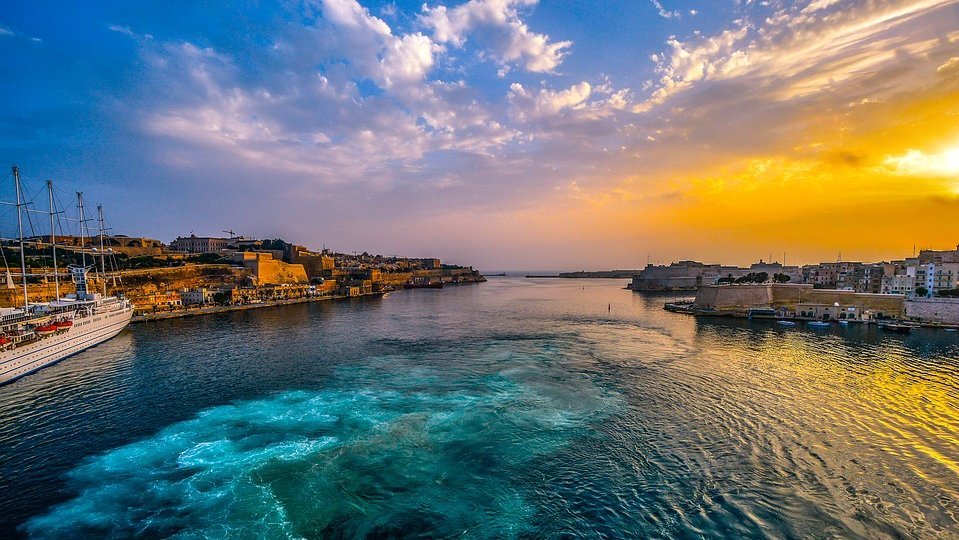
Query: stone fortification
(267,270)
(933,310)
(737,299)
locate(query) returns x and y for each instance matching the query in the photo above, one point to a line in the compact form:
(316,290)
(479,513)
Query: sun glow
(916,162)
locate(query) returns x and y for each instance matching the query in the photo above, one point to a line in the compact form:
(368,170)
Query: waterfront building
(200,296)
(159,300)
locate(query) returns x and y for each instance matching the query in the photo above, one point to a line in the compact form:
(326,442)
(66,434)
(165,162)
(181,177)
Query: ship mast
(83,254)
(103,263)
(53,239)
(23,259)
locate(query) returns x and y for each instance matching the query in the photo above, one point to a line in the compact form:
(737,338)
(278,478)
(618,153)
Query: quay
(210,310)
(803,302)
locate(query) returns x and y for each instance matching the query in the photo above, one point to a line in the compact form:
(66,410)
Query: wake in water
(403,454)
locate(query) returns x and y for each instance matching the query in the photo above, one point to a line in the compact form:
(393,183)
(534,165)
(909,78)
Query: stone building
(199,244)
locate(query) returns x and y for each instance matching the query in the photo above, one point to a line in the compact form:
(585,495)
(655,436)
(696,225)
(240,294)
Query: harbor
(537,376)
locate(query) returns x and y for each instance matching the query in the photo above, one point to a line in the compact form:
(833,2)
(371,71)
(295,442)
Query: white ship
(36,335)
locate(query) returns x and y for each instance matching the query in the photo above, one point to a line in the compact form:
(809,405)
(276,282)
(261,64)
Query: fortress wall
(938,310)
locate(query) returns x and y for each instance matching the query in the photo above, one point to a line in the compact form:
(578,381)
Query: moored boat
(783,322)
(423,285)
(902,328)
(818,324)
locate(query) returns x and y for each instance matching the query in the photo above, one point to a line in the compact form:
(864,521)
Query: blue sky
(505,133)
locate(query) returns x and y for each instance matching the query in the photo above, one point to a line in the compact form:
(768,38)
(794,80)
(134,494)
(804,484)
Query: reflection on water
(516,408)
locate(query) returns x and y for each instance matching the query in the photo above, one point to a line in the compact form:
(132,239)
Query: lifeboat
(45,330)
(63,326)
(5,342)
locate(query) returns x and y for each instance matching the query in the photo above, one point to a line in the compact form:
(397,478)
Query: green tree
(922,291)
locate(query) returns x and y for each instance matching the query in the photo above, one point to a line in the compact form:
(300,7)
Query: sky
(503,134)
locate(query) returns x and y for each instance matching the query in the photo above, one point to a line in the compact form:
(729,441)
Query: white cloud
(663,12)
(4,31)
(497,24)
(350,14)
(536,105)
(797,52)
(386,59)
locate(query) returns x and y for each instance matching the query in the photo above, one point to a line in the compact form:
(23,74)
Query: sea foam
(395,457)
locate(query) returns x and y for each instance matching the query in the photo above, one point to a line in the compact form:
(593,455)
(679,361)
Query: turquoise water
(511,409)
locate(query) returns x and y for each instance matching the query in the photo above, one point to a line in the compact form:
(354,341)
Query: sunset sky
(499,133)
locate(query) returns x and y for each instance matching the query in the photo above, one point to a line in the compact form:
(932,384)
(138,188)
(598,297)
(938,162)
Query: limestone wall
(739,298)
(936,310)
(733,297)
(136,284)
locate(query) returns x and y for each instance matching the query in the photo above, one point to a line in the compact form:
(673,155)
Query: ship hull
(86,332)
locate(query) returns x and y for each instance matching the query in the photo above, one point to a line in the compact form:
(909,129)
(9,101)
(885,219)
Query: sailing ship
(38,334)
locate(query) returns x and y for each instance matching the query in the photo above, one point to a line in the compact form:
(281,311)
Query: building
(899,277)
(199,244)
(197,297)
(867,278)
(832,275)
(678,276)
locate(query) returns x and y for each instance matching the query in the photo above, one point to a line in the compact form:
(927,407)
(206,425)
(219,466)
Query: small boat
(786,323)
(423,285)
(5,342)
(818,324)
(678,307)
(761,313)
(902,328)
(63,326)
(844,323)
(45,330)
(952,330)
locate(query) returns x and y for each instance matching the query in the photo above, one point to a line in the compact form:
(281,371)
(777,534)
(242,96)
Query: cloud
(949,65)
(530,105)
(386,59)
(496,24)
(665,13)
(4,31)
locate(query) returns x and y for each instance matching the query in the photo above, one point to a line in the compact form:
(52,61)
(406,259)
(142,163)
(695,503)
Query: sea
(516,408)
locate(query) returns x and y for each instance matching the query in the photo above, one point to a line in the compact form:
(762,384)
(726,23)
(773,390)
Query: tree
(221,297)
(922,291)
(781,278)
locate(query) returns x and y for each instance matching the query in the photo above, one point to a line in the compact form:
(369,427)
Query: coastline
(210,310)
